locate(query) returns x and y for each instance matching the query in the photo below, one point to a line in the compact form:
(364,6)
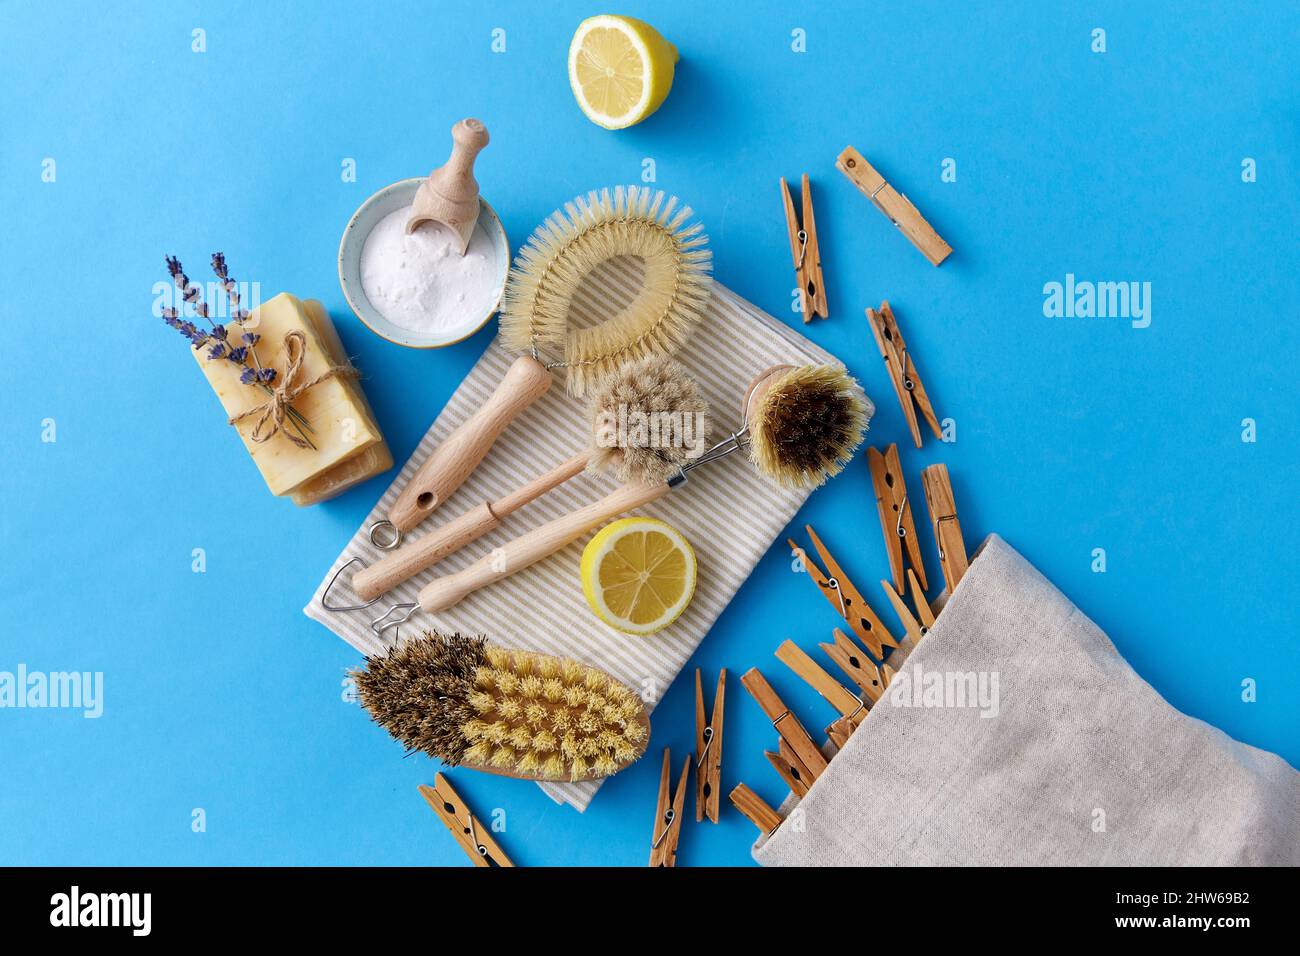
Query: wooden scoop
(450,195)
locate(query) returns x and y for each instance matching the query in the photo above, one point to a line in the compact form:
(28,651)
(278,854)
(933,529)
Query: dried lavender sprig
(229,285)
(192,294)
(241,353)
(231,289)
(250,339)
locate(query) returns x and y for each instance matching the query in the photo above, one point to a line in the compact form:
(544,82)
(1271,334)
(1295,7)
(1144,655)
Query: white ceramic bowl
(389,199)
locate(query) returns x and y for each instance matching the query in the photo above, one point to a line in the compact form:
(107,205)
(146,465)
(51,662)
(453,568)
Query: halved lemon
(638,574)
(620,69)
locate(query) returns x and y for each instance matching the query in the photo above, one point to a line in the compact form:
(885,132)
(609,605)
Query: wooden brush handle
(410,559)
(537,544)
(453,461)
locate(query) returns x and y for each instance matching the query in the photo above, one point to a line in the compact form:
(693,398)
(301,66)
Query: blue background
(1073,434)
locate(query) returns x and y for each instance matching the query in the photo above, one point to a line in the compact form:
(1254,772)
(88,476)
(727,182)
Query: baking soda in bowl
(420,283)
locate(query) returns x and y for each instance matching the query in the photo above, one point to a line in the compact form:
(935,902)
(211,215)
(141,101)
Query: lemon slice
(620,69)
(638,574)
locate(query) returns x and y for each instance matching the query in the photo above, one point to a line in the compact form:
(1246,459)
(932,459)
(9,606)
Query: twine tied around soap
(286,390)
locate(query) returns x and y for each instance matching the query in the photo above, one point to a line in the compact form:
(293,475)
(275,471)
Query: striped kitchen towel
(727,511)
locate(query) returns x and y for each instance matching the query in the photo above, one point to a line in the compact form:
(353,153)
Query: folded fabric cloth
(542,608)
(1016,734)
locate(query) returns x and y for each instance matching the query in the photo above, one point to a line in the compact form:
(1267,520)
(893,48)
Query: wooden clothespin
(668,816)
(790,768)
(473,837)
(924,613)
(756,809)
(902,371)
(844,597)
(785,723)
(804,250)
(895,508)
(708,750)
(850,706)
(896,207)
(946,527)
(840,731)
(911,626)
(856,665)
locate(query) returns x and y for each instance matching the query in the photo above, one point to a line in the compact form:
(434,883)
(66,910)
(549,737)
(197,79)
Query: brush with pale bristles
(802,426)
(639,419)
(508,712)
(654,389)
(552,265)
(628,221)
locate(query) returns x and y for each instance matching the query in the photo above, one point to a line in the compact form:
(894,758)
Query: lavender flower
(229,285)
(218,338)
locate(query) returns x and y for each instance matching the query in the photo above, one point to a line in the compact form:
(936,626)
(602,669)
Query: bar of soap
(342,426)
(352,471)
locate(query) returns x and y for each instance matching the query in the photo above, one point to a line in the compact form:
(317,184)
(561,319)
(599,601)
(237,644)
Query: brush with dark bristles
(508,712)
(802,426)
(805,423)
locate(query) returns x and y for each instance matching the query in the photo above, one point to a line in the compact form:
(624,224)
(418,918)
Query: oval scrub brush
(508,712)
(628,221)
(647,420)
(552,265)
(802,425)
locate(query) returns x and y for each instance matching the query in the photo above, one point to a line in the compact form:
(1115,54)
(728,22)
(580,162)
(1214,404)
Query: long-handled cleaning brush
(627,221)
(651,387)
(508,712)
(802,425)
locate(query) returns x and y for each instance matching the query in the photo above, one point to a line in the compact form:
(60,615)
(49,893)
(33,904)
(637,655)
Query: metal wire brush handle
(541,542)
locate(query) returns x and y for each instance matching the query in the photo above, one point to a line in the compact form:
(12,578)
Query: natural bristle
(647,420)
(551,266)
(511,712)
(807,425)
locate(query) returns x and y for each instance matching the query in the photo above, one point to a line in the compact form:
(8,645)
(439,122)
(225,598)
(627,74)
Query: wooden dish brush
(648,387)
(508,712)
(802,426)
(550,268)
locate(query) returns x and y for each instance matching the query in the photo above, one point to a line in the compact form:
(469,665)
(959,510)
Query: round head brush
(628,221)
(508,712)
(802,425)
(648,420)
